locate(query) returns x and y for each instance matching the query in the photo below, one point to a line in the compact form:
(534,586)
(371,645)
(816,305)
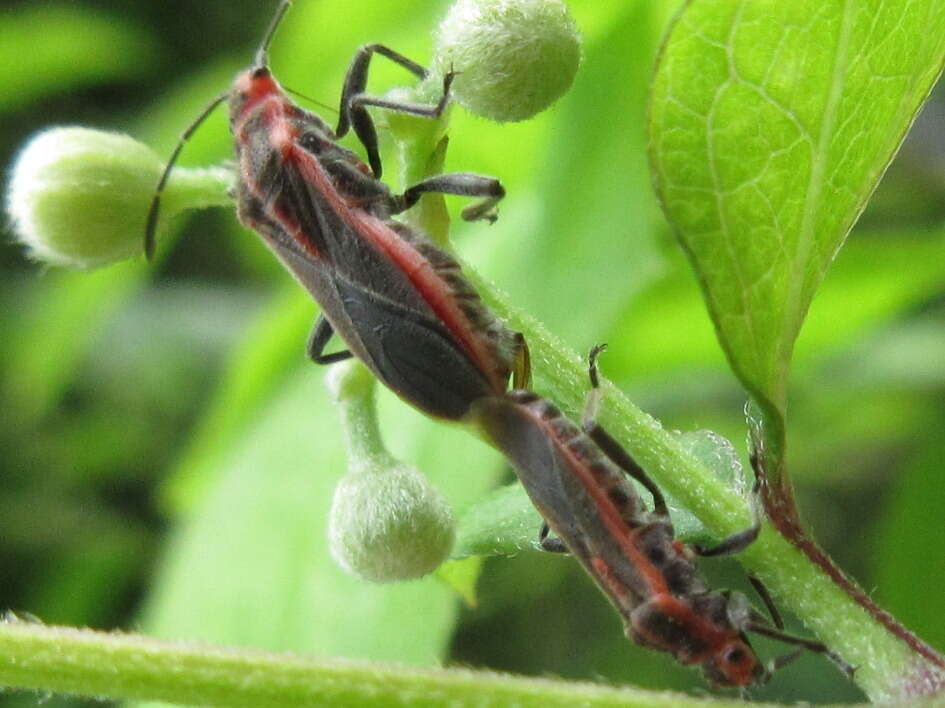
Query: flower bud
(389,524)
(514,58)
(80,197)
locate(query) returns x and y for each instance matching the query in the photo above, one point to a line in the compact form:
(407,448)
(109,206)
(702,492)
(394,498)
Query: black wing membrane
(520,436)
(353,256)
(415,356)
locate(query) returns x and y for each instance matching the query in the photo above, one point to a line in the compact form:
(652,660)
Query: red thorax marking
(256,88)
(282,135)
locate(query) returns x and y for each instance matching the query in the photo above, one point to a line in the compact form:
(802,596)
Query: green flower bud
(515,57)
(80,197)
(387,522)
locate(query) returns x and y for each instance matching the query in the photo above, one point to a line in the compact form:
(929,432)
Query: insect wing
(413,354)
(515,431)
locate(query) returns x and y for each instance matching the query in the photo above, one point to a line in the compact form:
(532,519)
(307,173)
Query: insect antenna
(299,94)
(262,54)
(150,231)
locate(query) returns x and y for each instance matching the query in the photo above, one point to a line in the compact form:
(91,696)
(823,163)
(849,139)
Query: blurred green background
(167,454)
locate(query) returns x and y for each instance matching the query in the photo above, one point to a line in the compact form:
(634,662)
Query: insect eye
(261,73)
(310,142)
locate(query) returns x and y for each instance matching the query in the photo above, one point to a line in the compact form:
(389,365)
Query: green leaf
(504,523)
(256,536)
(258,364)
(907,357)
(462,576)
(876,277)
(771,123)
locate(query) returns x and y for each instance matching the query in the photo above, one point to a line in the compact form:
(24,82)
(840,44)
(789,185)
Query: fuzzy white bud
(389,524)
(80,197)
(514,57)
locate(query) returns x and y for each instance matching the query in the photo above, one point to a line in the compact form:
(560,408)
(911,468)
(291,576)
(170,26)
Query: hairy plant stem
(131,667)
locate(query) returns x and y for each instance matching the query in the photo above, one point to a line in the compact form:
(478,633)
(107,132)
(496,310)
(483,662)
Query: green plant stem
(198,188)
(355,398)
(131,667)
(886,668)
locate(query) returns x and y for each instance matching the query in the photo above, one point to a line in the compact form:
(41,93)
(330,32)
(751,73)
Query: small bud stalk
(387,522)
(79,197)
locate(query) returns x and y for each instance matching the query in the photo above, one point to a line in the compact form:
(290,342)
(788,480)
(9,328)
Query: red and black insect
(399,302)
(577,479)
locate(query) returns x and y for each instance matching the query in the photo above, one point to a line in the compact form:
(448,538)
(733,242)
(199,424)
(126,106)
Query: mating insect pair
(402,306)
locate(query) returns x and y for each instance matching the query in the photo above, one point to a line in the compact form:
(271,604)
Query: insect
(577,479)
(399,302)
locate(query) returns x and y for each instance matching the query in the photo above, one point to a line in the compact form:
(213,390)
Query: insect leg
(318,340)
(622,459)
(737,541)
(766,598)
(150,230)
(463,184)
(781,661)
(354,101)
(549,543)
(606,442)
(808,644)
(356,78)
(733,544)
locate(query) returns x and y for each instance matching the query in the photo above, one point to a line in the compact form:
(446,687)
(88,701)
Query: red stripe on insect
(414,265)
(606,576)
(618,528)
(282,137)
